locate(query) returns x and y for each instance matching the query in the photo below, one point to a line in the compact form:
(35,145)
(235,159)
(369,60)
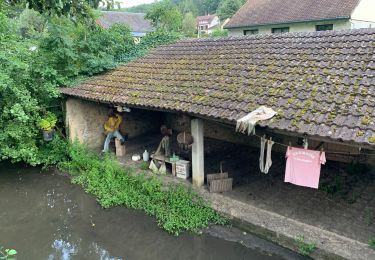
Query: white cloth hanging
(247,123)
(268,157)
(261,158)
(264,168)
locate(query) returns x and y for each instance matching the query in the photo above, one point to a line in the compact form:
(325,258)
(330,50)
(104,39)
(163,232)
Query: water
(43,216)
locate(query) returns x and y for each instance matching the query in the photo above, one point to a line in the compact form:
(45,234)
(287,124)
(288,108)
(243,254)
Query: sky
(128,3)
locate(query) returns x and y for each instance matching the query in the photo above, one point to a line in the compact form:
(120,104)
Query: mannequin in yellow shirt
(111,128)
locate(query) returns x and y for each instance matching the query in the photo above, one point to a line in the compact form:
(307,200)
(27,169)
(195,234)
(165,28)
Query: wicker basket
(222,185)
(219,182)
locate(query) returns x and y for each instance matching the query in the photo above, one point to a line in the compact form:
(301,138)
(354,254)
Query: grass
(304,248)
(371,242)
(369,216)
(175,207)
(345,185)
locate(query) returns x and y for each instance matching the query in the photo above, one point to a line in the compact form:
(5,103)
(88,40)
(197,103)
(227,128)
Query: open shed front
(214,142)
(345,195)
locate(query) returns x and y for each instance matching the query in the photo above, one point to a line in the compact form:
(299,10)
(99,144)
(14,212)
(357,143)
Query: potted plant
(47,125)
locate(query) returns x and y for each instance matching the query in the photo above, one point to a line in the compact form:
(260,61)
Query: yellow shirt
(113,123)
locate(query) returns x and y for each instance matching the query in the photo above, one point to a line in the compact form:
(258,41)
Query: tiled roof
(135,21)
(320,83)
(206,18)
(260,12)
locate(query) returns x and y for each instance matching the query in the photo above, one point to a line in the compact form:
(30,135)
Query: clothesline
(327,152)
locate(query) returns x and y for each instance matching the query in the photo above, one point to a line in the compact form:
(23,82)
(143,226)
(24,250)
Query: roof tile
(321,83)
(260,12)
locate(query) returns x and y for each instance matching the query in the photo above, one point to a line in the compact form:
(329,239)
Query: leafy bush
(175,207)
(304,248)
(150,41)
(7,254)
(49,122)
(38,54)
(219,33)
(371,242)
(53,152)
(32,67)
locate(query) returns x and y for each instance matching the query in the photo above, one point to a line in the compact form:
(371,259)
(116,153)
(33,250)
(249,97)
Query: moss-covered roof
(320,83)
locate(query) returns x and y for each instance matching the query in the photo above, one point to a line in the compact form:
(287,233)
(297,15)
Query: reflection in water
(64,250)
(47,217)
(102,253)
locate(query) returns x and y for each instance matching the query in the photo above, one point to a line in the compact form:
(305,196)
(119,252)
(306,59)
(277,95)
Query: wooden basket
(222,185)
(219,182)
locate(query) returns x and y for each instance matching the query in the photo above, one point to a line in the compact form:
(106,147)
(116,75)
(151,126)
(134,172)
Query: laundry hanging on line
(247,123)
(303,166)
(264,168)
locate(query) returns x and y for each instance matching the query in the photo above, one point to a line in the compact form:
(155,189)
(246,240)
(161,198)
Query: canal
(44,216)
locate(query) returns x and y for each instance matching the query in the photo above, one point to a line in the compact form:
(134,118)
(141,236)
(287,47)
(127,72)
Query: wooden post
(197,129)
(120,149)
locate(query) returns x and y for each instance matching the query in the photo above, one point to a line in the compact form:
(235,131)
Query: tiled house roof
(205,19)
(320,83)
(135,21)
(261,12)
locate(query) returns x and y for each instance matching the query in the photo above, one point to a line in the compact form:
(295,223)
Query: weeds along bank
(175,207)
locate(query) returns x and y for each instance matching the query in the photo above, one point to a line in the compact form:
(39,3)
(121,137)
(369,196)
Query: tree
(32,69)
(190,6)
(164,15)
(219,33)
(210,6)
(77,10)
(228,8)
(189,25)
(31,24)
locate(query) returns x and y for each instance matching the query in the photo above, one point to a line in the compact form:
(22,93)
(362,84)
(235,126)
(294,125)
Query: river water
(44,216)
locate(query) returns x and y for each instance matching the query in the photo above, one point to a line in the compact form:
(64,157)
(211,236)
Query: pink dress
(303,167)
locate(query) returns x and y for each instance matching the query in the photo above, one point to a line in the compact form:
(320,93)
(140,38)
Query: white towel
(247,123)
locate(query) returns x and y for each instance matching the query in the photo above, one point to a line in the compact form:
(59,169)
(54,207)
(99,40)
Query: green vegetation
(219,33)
(228,8)
(180,15)
(343,184)
(144,166)
(164,15)
(371,242)
(7,254)
(304,248)
(189,25)
(175,207)
(142,8)
(196,7)
(42,50)
(49,122)
(369,216)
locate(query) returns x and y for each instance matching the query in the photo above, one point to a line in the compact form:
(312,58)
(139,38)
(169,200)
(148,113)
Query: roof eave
(233,123)
(287,22)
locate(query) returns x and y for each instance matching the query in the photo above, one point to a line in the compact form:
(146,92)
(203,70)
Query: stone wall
(85,119)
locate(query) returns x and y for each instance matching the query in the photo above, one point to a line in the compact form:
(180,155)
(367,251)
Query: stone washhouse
(321,84)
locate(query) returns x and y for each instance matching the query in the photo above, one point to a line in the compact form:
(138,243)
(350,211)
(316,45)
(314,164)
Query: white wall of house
(294,27)
(214,22)
(364,14)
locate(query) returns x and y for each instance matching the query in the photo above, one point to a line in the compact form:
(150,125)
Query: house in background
(280,16)
(137,23)
(207,24)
